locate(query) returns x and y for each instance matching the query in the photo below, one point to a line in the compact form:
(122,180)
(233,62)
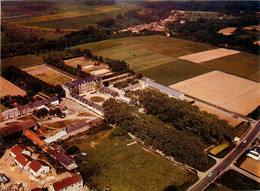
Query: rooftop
(67,182)
(75,83)
(76,126)
(17,149)
(35,165)
(34,138)
(23,159)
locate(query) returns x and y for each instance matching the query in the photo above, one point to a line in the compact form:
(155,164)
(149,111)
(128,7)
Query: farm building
(109,91)
(96,122)
(38,167)
(81,85)
(255,154)
(132,88)
(55,137)
(170,92)
(23,161)
(18,127)
(17,149)
(88,104)
(34,138)
(10,113)
(72,183)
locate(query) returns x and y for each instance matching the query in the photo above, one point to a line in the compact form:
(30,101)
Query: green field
(243,64)
(95,46)
(137,58)
(218,149)
(20,61)
(123,167)
(174,72)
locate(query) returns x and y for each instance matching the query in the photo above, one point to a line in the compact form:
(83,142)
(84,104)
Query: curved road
(226,162)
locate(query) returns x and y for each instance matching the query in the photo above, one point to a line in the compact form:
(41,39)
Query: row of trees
(30,83)
(43,112)
(153,132)
(185,116)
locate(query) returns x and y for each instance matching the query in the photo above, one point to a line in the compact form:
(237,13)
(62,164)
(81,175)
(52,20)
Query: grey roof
(76,126)
(75,83)
(164,88)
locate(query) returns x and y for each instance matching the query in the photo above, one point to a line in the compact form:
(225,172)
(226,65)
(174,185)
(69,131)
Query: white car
(244,141)
(210,174)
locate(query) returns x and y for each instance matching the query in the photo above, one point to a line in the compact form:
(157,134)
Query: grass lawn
(94,46)
(218,149)
(97,99)
(53,77)
(137,58)
(20,61)
(174,72)
(243,64)
(123,167)
(62,124)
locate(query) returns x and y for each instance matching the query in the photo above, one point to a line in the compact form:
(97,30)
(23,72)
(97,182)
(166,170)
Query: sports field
(137,58)
(122,167)
(7,88)
(252,166)
(47,74)
(208,55)
(230,92)
(242,64)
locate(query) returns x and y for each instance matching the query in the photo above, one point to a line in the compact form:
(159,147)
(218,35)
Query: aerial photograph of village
(129,95)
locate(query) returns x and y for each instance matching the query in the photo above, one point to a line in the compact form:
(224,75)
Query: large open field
(252,166)
(225,90)
(7,88)
(47,74)
(125,167)
(243,64)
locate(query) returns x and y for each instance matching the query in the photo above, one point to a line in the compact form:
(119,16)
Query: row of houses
(88,104)
(68,162)
(254,153)
(108,90)
(29,108)
(22,157)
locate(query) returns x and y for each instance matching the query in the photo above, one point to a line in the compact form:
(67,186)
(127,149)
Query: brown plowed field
(7,88)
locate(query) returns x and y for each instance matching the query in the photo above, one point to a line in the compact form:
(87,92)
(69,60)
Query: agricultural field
(137,58)
(218,149)
(21,61)
(243,64)
(208,55)
(122,167)
(7,88)
(95,46)
(252,166)
(47,74)
(174,72)
(87,65)
(224,90)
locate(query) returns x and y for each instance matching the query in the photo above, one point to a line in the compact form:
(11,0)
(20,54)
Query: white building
(23,161)
(255,154)
(72,183)
(38,167)
(170,92)
(17,149)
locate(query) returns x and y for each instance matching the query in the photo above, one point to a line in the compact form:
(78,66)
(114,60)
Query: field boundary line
(152,66)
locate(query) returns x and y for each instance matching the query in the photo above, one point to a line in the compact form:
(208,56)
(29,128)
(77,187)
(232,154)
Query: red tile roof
(15,128)
(35,165)
(23,159)
(67,182)
(34,138)
(36,189)
(17,149)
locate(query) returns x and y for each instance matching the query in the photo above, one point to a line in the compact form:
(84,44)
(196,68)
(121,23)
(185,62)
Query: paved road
(226,162)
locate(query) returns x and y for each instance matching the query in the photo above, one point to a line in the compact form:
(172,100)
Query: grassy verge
(240,129)
(121,167)
(174,72)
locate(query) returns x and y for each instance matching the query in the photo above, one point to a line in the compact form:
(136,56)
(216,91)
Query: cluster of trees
(43,112)
(153,132)
(255,114)
(30,83)
(100,2)
(206,31)
(9,101)
(185,116)
(125,83)
(59,63)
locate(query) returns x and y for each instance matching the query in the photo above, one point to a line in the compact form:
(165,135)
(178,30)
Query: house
(34,138)
(17,149)
(96,122)
(23,161)
(10,113)
(53,100)
(38,104)
(3,179)
(132,88)
(72,183)
(18,127)
(38,167)
(255,153)
(109,91)
(75,129)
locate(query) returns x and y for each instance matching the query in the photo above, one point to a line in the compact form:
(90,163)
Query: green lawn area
(175,72)
(218,149)
(97,99)
(62,124)
(53,77)
(136,57)
(20,61)
(243,64)
(123,167)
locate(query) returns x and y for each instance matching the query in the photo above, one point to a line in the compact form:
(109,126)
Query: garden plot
(227,91)
(208,55)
